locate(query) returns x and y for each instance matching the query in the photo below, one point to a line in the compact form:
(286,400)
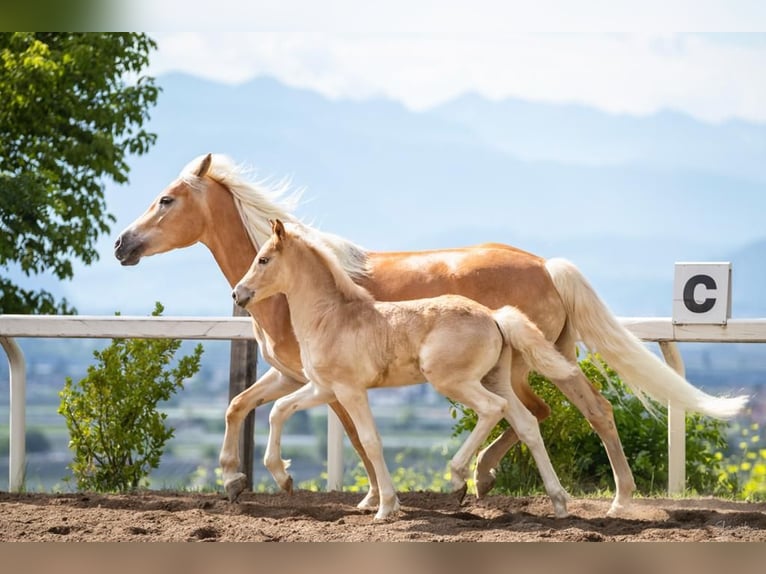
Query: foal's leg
(270,386)
(524,423)
(355,401)
(307,396)
(370,500)
(528,429)
(490,457)
(596,410)
(489,408)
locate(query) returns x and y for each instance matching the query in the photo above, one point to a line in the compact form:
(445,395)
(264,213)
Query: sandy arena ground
(319,517)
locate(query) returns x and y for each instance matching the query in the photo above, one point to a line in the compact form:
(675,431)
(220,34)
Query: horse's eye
(263,260)
(166,200)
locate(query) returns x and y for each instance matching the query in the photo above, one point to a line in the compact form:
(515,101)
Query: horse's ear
(204,166)
(278,228)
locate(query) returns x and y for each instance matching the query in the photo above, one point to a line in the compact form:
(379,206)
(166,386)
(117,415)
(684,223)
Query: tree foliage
(73,106)
(115,430)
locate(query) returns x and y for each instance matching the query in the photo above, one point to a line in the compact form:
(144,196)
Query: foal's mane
(263,200)
(327,258)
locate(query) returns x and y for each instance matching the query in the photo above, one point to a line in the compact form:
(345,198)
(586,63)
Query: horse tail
(642,371)
(538,352)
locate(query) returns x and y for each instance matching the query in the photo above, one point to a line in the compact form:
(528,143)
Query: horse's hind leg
(590,403)
(489,458)
(599,414)
(528,429)
(526,426)
(489,408)
(598,411)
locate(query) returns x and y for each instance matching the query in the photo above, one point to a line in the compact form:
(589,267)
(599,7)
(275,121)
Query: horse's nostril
(118,242)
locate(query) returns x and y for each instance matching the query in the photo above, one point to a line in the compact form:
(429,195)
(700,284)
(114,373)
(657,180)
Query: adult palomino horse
(213,202)
(351,343)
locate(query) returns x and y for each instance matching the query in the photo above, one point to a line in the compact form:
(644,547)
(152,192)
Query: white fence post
(18,404)
(334,451)
(676,425)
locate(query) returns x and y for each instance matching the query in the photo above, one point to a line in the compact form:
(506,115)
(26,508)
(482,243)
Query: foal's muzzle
(241,295)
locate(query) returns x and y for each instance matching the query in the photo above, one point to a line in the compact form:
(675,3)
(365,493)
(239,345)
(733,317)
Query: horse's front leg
(310,395)
(370,501)
(272,385)
(354,399)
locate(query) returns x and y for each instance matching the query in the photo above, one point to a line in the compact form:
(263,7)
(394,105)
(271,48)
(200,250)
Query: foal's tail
(538,352)
(644,372)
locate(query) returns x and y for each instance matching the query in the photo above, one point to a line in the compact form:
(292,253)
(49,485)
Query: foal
(350,343)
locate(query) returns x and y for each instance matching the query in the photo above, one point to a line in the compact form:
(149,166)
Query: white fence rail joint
(657,329)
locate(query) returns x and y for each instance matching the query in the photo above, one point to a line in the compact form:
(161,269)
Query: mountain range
(624,197)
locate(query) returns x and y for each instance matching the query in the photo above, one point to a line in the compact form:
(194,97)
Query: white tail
(538,352)
(641,370)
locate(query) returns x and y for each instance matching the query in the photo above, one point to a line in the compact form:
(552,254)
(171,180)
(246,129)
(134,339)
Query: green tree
(115,430)
(73,106)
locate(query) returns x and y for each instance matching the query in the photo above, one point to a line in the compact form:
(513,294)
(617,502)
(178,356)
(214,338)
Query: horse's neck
(234,253)
(227,239)
(312,295)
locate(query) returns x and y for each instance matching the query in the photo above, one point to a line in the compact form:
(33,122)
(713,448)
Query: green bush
(116,433)
(744,464)
(579,457)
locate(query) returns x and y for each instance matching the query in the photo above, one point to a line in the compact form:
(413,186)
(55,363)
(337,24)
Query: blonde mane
(343,281)
(262,200)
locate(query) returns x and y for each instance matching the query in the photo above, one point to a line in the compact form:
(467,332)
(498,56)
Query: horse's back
(447,334)
(492,274)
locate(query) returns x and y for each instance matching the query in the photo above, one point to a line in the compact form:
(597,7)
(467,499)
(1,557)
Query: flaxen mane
(343,281)
(260,201)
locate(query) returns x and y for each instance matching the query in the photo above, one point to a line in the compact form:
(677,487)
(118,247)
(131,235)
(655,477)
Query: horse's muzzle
(241,295)
(128,249)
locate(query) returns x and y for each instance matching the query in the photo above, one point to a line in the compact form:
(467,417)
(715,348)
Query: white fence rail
(661,330)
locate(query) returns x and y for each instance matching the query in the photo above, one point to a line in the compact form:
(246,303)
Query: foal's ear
(277,228)
(204,166)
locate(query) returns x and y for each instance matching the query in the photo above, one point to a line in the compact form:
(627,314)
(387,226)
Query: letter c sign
(702,293)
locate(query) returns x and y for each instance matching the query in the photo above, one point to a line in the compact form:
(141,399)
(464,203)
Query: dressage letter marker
(702,293)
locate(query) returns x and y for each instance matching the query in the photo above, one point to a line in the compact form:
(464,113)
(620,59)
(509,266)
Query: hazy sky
(422,53)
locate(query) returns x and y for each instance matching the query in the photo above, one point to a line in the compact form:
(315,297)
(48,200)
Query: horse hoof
(484,485)
(387,514)
(388,509)
(369,502)
(460,493)
(560,501)
(288,486)
(235,486)
(616,510)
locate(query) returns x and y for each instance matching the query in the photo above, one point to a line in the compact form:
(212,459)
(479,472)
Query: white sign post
(701,294)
